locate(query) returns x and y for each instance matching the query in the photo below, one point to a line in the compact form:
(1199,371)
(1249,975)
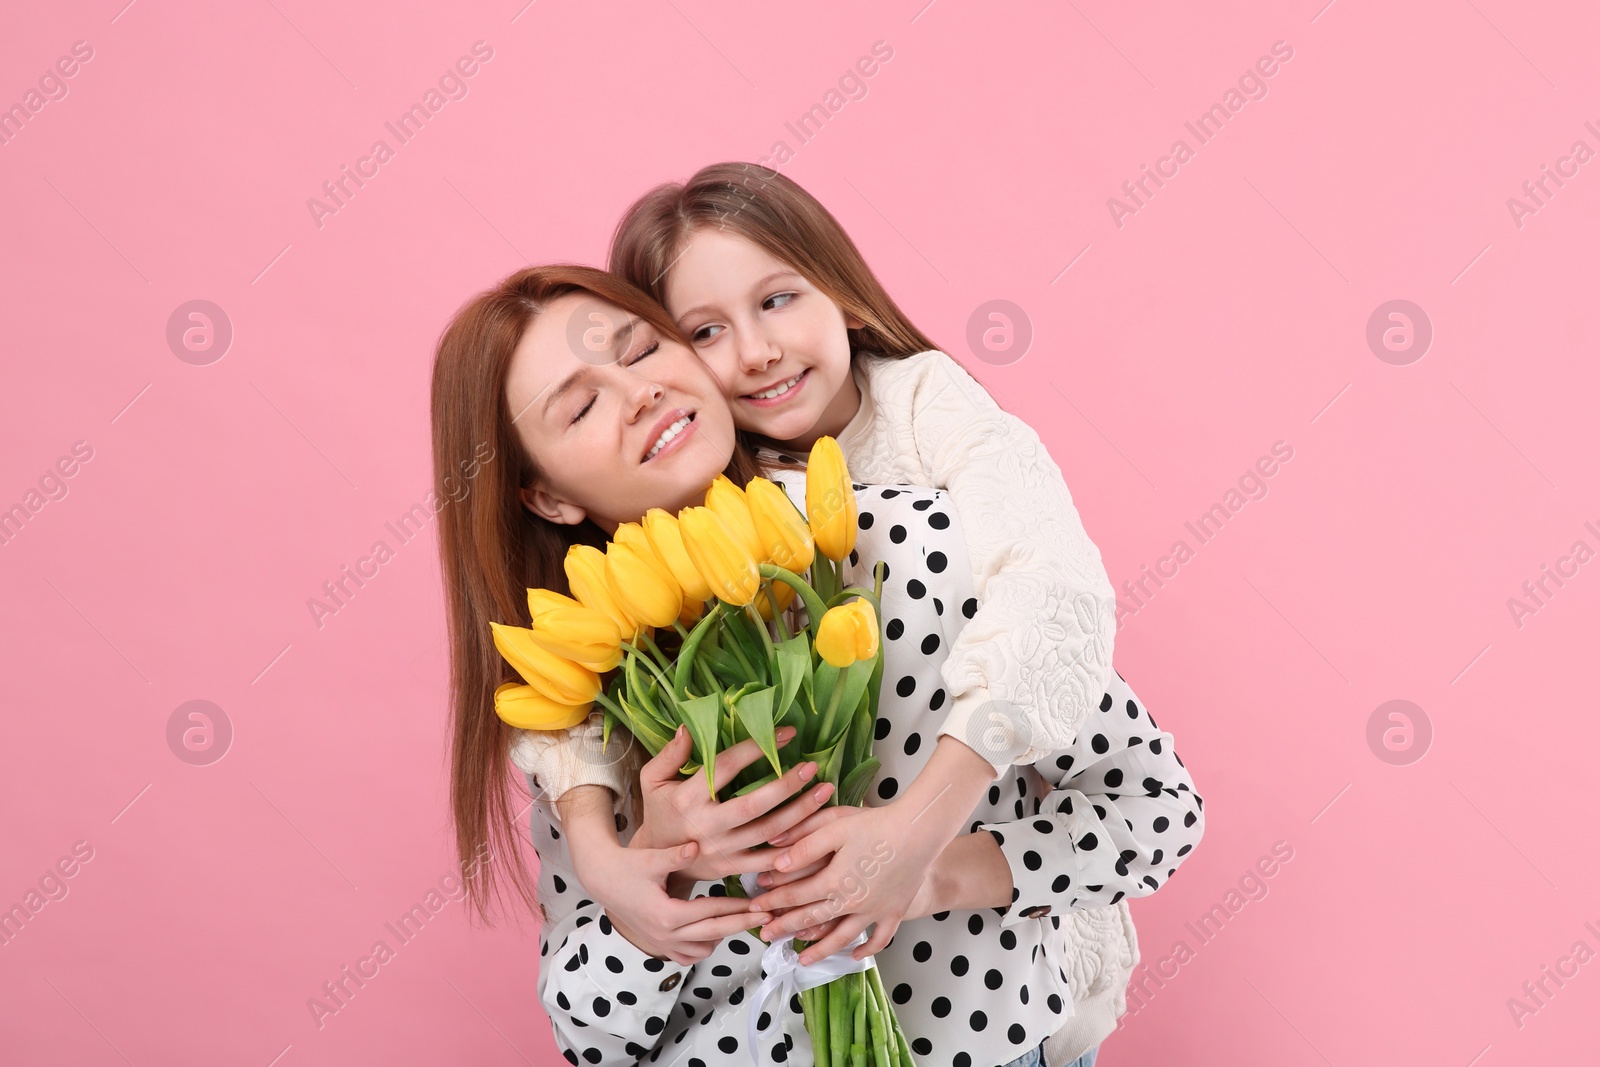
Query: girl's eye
(778,300)
(706,333)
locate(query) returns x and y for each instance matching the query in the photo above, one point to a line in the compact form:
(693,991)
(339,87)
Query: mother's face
(599,397)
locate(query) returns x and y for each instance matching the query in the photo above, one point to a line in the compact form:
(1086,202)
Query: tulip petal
(526,708)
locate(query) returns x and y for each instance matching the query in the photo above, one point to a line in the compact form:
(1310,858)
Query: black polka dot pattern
(1118,840)
(960,981)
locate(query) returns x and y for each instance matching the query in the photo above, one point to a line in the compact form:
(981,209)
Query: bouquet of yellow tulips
(715,584)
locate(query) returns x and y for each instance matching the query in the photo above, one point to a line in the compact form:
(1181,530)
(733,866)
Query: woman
(603,413)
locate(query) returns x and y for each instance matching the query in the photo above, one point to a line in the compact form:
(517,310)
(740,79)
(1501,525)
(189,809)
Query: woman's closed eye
(648,351)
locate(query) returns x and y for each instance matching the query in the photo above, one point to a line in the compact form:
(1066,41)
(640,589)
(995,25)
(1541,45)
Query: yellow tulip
(580,634)
(524,707)
(542,600)
(848,633)
(693,610)
(632,534)
(728,501)
(719,555)
(780,526)
(556,677)
(830,500)
(667,540)
(586,573)
(641,590)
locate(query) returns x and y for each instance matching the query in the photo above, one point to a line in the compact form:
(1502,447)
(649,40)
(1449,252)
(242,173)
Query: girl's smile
(781,393)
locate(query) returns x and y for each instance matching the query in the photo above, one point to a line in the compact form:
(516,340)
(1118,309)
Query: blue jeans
(1035,1058)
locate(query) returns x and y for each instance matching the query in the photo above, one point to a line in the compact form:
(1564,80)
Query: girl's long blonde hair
(492,549)
(773,212)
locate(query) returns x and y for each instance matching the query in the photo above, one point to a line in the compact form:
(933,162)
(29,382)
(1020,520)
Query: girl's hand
(679,810)
(881,860)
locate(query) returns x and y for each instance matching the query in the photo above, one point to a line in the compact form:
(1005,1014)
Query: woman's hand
(727,833)
(881,860)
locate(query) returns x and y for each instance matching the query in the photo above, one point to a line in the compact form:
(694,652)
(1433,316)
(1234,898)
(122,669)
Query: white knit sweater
(1039,645)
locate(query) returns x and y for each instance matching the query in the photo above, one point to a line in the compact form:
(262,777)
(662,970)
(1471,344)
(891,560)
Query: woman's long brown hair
(770,210)
(492,549)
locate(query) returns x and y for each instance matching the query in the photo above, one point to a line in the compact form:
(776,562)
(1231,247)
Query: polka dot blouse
(1108,817)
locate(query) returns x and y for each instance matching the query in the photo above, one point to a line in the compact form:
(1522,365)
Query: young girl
(578,461)
(806,342)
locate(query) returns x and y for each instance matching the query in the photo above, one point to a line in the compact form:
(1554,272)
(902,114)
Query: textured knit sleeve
(1121,818)
(558,760)
(1040,633)
(608,1000)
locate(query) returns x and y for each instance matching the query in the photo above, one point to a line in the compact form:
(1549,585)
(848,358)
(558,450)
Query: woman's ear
(852,323)
(550,507)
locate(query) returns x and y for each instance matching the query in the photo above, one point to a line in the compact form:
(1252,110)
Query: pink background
(1227,314)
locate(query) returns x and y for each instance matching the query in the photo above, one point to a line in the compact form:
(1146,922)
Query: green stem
(815,607)
(661,677)
(833,707)
(691,645)
(750,671)
(761,626)
(661,658)
(777,614)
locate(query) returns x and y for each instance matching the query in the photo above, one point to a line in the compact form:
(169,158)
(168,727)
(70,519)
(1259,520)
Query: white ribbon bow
(787,977)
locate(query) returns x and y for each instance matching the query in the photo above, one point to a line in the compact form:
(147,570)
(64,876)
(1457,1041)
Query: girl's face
(593,391)
(775,341)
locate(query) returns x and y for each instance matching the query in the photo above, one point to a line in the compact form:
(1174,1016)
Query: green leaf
(700,716)
(646,729)
(824,676)
(743,631)
(856,677)
(686,654)
(794,670)
(755,712)
(854,786)
(829,771)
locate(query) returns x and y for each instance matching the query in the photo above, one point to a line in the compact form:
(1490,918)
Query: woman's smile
(674,429)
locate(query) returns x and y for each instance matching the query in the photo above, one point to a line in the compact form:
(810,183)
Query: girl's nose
(756,353)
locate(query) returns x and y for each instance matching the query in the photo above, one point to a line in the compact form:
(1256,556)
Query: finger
(768,879)
(813,911)
(714,930)
(838,938)
(730,761)
(740,810)
(811,823)
(796,811)
(664,765)
(796,895)
(657,863)
(882,931)
(818,932)
(680,913)
(742,861)
(811,848)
